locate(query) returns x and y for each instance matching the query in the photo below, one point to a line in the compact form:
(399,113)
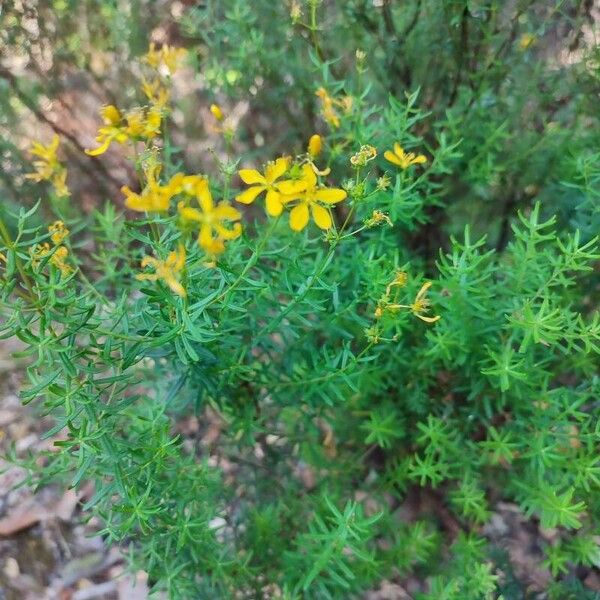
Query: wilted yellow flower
(377,218)
(383,182)
(38,252)
(420,305)
(211,219)
(310,199)
(526,41)
(400,281)
(169,270)
(363,156)
(167,56)
(315,145)
(48,167)
(267,182)
(216,111)
(403,159)
(154,197)
(58,232)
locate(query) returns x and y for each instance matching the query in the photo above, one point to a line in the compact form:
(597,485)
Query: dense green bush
(432,330)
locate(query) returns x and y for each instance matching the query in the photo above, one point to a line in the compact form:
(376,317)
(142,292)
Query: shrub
(414,308)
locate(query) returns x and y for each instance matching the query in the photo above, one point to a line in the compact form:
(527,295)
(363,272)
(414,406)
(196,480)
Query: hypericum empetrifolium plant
(356,343)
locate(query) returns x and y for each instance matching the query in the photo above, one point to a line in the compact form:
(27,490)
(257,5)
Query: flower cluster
(57,253)
(142,123)
(303,194)
(48,167)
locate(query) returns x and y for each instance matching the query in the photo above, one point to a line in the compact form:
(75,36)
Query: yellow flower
(58,232)
(38,252)
(157,93)
(111,132)
(419,305)
(59,181)
(328,111)
(211,219)
(154,197)
(138,123)
(403,159)
(168,270)
(168,56)
(216,111)
(267,182)
(48,168)
(310,199)
(143,123)
(315,145)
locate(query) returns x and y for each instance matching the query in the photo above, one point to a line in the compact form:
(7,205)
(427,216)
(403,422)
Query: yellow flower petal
(226,211)
(309,176)
(204,196)
(251,176)
(389,155)
(428,319)
(248,196)
(291,187)
(275,170)
(398,150)
(299,217)
(420,159)
(229,234)
(190,214)
(330,195)
(205,238)
(273,203)
(321,216)
(101,149)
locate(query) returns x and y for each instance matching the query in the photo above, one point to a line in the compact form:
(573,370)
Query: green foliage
(340,425)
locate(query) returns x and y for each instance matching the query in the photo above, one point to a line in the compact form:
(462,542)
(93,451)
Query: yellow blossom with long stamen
(169,270)
(403,159)
(267,183)
(311,199)
(419,305)
(212,219)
